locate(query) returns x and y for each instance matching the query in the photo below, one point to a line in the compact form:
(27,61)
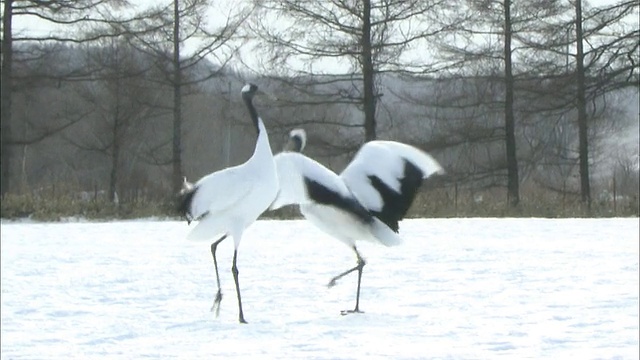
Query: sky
(217,14)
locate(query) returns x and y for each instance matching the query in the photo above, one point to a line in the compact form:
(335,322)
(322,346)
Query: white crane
(365,202)
(226,202)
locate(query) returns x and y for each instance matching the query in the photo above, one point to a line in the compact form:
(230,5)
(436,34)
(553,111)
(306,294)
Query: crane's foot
(354,311)
(216,303)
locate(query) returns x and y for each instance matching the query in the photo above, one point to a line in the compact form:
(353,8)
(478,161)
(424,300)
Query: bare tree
(581,99)
(596,55)
(6,84)
(486,48)
(342,47)
(618,65)
(119,97)
(513,182)
(177,23)
(68,20)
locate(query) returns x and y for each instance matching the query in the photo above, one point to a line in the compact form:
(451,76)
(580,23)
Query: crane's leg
(234,270)
(218,298)
(359,267)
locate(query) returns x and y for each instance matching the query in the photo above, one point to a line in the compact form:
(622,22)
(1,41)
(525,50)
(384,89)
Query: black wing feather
(396,205)
(185,197)
(323,195)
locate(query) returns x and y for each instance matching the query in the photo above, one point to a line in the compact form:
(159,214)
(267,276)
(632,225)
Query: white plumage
(326,201)
(365,202)
(292,168)
(230,200)
(385,160)
(226,202)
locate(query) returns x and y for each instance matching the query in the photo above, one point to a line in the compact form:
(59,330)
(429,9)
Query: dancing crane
(226,202)
(364,203)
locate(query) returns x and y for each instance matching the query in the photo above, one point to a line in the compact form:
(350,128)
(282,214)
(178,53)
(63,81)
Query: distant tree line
(538,95)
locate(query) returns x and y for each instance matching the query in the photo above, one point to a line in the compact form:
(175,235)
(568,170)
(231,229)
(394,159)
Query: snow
(455,289)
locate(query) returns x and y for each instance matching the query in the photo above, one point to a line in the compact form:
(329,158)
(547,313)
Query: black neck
(297,143)
(252,111)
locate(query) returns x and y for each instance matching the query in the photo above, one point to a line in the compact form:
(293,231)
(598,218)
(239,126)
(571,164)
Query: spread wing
(385,176)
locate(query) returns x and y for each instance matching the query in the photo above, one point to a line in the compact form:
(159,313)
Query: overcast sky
(217,14)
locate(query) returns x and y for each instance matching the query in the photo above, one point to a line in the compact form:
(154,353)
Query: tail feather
(385,234)
(206,229)
(184,200)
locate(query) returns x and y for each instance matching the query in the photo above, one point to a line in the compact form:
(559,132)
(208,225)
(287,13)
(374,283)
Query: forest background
(530,106)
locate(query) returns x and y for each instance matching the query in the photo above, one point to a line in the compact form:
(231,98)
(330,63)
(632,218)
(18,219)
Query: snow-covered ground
(456,289)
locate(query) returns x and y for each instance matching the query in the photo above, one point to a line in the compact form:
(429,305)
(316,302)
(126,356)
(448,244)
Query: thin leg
(359,267)
(234,270)
(361,264)
(218,298)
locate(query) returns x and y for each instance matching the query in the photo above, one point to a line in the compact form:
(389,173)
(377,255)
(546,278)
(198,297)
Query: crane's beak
(267,94)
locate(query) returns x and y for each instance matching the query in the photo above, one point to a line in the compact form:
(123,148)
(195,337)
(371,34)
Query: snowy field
(456,289)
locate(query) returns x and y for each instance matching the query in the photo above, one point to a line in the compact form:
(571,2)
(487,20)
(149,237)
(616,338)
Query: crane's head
(249,89)
(297,140)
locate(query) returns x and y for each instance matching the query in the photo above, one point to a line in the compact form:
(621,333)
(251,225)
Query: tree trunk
(585,187)
(368,74)
(177,102)
(115,150)
(113,178)
(6,88)
(513,192)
